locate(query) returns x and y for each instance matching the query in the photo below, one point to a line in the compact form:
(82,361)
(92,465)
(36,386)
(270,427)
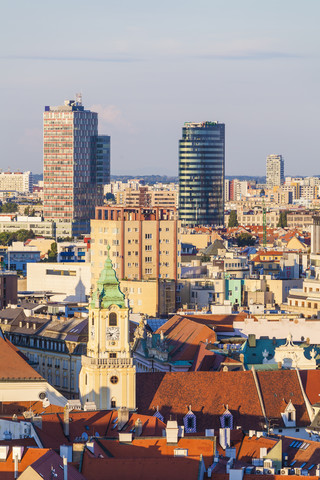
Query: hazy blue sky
(149,66)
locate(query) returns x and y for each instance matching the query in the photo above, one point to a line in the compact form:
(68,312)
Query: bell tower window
(113,321)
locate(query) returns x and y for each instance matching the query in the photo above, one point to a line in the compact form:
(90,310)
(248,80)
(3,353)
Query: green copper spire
(108,289)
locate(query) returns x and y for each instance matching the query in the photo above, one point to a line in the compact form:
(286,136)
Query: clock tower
(107,375)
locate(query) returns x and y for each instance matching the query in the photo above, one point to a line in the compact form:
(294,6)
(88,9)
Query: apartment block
(144,243)
(16,181)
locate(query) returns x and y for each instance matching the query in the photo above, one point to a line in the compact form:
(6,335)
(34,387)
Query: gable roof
(13,366)
(207,392)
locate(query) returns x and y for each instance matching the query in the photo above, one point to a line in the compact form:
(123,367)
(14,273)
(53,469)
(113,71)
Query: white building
(275,170)
(16,181)
(68,281)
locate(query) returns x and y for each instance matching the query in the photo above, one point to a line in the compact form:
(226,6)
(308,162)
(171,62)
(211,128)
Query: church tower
(108,376)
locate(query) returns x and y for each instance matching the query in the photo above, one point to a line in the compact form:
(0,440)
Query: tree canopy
(233,220)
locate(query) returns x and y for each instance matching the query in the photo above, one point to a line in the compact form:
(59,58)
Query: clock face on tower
(112,333)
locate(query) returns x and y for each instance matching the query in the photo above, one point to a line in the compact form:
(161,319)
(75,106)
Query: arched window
(113,319)
(113,402)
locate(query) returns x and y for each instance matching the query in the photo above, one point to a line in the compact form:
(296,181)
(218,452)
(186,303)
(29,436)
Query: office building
(275,170)
(103,160)
(76,162)
(16,182)
(201,173)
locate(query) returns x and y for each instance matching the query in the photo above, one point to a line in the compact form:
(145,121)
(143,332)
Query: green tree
(245,239)
(283,219)
(233,220)
(24,235)
(5,238)
(9,207)
(52,253)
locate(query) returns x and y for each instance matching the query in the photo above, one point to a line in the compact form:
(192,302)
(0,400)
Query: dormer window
(190,422)
(226,420)
(289,415)
(158,414)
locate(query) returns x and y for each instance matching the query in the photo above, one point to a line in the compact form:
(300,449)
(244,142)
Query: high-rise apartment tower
(76,164)
(201,173)
(275,170)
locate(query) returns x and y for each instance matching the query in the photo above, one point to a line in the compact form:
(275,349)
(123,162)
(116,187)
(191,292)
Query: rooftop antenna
(79,99)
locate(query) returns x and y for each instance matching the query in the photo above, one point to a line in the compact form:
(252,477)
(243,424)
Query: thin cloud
(249,56)
(70,59)
(112,115)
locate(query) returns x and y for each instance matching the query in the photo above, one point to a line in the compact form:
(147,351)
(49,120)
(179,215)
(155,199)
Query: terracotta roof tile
(206,392)
(170,468)
(13,366)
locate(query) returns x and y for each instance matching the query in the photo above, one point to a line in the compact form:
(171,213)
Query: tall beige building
(107,375)
(275,170)
(144,244)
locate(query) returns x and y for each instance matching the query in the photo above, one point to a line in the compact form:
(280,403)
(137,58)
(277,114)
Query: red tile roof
(311,384)
(13,366)
(29,456)
(101,422)
(140,468)
(183,336)
(207,392)
(52,461)
(158,447)
(281,386)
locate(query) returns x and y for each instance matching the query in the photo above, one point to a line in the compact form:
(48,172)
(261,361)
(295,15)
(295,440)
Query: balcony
(109,362)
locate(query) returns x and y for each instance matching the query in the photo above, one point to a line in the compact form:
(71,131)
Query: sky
(148,66)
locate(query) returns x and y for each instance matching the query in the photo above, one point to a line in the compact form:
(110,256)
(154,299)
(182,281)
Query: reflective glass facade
(201,173)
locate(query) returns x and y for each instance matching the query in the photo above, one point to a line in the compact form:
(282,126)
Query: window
(148,259)
(113,321)
(114,379)
(113,403)
(112,355)
(148,235)
(148,248)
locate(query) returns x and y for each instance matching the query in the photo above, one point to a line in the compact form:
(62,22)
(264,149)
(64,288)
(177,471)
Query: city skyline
(146,69)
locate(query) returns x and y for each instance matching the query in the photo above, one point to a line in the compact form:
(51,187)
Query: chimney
(172,431)
(123,417)
(224,437)
(65,468)
(138,428)
(17,455)
(66,420)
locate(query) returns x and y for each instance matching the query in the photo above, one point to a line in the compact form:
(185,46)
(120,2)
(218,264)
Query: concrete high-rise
(76,162)
(201,173)
(275,171)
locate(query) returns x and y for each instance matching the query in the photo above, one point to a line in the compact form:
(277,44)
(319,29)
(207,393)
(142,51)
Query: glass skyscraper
(201,173)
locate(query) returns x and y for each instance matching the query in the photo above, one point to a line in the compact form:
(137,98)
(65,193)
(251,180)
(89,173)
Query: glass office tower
(201,173)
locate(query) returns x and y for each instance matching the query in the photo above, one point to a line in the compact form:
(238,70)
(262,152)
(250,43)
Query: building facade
(16,181)
(201,173)
(275,170)
(107,376)
(73,168)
